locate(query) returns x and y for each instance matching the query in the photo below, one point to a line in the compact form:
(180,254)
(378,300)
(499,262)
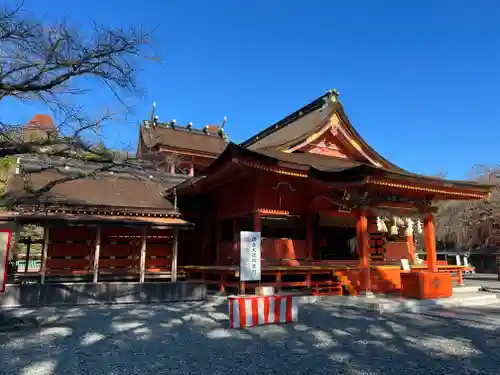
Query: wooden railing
(318,280)
(27,262)
(69,258)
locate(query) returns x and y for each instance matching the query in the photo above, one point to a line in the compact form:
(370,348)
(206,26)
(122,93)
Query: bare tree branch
(469,224)
(54,64)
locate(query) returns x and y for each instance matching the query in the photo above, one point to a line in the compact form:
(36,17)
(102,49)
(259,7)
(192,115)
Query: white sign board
(4,257)
(466,262)
(249,256)
(457,257)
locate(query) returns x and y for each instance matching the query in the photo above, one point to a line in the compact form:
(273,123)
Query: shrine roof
(117,220)
(308,160)
(301,124)
(296,161)
(102,192)
(331,169)
(367,171)
(183,138)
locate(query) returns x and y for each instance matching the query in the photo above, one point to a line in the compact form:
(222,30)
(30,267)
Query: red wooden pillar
(363,251)
(217,242)
(97,250)
(45,250)
(430,243)
(207,242)
(411,248)
(175,251)
(235,239)
(257,226)
(309,237)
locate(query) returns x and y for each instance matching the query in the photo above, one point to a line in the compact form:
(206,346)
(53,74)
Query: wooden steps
(346,283)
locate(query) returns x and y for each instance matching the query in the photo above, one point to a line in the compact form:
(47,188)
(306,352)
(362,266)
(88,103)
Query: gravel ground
(193,339)
(486,280)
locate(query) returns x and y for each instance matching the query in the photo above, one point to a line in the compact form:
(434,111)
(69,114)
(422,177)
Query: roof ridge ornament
(333,95)
(153,118)
(222,133)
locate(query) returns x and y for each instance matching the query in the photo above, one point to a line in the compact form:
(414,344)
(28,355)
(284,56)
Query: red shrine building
(335,216)
(323,201)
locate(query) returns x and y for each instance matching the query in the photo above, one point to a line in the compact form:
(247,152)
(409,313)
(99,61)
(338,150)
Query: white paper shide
(249,256)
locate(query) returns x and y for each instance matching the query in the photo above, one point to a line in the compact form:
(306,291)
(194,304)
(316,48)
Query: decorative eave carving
(430,190)
(277,170)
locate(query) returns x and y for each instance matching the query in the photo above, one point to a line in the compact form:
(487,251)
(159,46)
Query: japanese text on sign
(250,256)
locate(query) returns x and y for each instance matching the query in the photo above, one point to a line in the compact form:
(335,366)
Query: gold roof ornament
(333,95)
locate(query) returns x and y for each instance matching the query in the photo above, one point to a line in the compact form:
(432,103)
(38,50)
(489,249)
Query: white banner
(4,257)
(249,256)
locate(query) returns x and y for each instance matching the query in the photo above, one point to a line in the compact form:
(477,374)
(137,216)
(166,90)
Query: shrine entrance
(336,238)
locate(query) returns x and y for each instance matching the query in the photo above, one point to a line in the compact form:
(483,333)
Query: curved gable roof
(301,124)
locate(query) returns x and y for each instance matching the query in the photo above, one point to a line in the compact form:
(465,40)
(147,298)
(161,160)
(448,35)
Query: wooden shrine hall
(109,226)
(334,216)
(323,201)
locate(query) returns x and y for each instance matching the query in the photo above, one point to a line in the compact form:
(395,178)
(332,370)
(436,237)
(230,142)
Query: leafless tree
(55,64)
(471,224)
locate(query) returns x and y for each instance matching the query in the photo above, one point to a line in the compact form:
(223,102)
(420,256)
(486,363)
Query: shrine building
(335,216)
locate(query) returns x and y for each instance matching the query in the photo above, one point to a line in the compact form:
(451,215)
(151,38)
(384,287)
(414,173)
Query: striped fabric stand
(250,311)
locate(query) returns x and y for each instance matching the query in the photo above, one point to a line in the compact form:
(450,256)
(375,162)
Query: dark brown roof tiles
(183,139)
(133,193)
(307,160)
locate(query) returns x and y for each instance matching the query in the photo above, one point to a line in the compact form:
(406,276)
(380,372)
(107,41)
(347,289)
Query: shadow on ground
(192,338)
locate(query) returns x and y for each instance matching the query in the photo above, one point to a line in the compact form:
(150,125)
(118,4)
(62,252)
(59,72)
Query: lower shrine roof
(331,169)
(296,161)
(103,192)
(89,218)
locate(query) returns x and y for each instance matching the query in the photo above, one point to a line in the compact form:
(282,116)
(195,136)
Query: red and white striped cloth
(249,311)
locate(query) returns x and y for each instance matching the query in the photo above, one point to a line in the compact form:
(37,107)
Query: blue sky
(419,80)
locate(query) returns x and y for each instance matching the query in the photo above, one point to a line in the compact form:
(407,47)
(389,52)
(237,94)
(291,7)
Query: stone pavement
(192,338)
(462,296)
(485,280)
